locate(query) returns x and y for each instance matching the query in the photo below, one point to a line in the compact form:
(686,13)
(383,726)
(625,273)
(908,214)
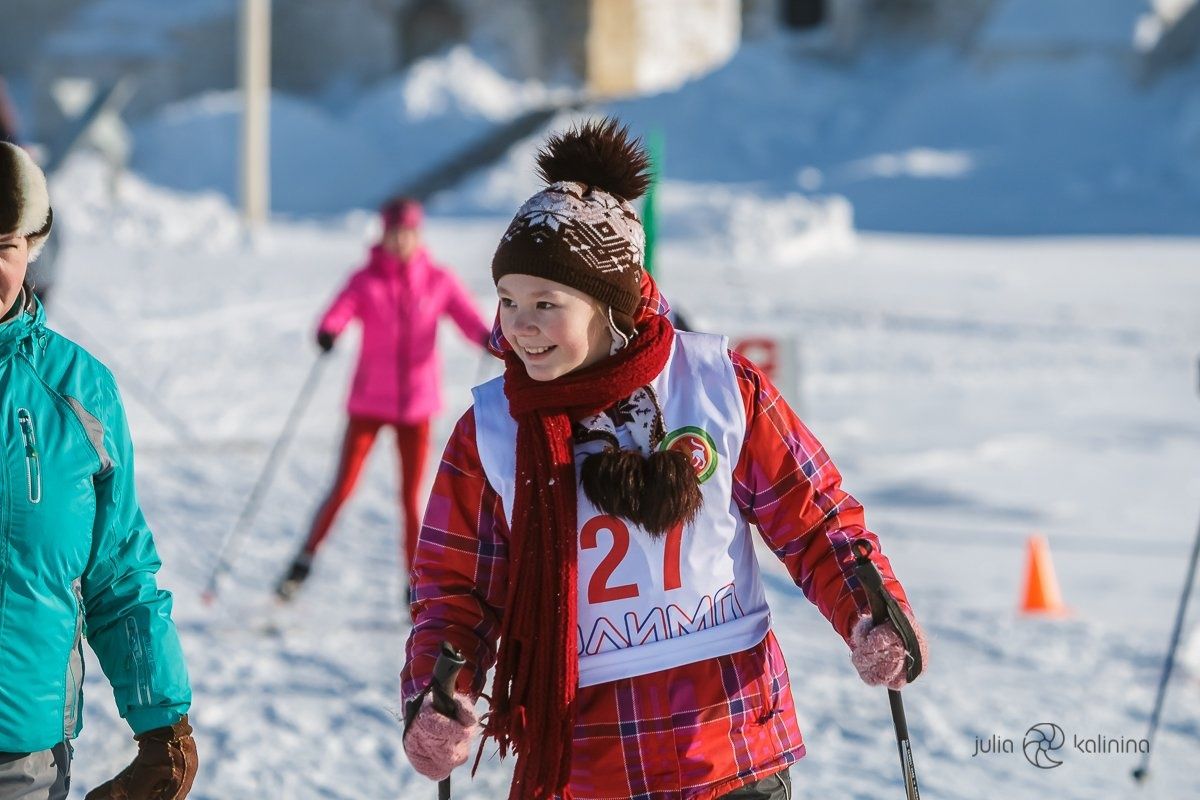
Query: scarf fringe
(537,667)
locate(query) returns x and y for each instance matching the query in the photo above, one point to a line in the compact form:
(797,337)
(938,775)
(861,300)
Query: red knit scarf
(537,669)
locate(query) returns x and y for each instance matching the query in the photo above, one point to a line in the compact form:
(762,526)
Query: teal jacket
(76,557)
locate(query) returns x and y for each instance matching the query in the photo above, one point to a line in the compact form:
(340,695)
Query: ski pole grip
(872,582)
(884,607)
(445,676)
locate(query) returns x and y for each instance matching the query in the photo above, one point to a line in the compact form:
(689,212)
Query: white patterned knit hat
(581,230)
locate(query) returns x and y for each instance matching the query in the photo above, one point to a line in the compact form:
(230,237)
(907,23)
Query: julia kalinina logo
(1041,741)
(1044,740)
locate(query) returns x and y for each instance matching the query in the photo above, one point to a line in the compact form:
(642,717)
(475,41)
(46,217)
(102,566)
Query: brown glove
(163,769)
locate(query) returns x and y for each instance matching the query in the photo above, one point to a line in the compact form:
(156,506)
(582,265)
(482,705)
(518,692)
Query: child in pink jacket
(398,298)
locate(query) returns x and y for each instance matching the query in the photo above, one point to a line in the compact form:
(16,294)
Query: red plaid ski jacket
(697,731)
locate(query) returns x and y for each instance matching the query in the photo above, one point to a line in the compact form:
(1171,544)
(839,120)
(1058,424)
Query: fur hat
(24,200)
(581,229)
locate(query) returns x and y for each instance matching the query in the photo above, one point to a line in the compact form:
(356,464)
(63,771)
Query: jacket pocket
(33,466)
(770,683)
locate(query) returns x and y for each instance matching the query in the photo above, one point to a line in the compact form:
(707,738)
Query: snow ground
(972,390)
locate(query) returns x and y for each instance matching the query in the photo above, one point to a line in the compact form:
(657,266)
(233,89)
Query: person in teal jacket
(77,559)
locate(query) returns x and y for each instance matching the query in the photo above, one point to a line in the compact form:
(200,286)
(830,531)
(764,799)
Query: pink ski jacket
(398,304)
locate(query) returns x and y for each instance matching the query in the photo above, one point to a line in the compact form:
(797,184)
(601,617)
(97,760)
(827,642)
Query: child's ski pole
(445,675)
(884,608)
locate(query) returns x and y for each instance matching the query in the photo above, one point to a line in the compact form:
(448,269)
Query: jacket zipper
(137,654)
(33,468)
(75,667)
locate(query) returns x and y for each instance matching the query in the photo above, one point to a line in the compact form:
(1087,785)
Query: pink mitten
(877,652)
(436,744)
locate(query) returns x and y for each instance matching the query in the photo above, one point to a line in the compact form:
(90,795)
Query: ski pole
(885,608)
(254,500)
(445,676)
(1143,768)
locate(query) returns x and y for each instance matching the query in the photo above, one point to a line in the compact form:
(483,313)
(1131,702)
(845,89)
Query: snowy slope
(928,140)
(329,159)
(973,391)
(933,141)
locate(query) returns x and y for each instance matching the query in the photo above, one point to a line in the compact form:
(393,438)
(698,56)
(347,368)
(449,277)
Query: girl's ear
(605,329)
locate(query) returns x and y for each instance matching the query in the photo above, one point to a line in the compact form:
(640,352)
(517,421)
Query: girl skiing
(398,296)
(592,514)
(76,557)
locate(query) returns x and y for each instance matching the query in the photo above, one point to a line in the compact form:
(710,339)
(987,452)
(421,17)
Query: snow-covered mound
(935,141)
(927,140)
(139,215)
(328,160)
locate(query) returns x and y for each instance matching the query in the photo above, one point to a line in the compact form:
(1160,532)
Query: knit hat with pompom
(581,229)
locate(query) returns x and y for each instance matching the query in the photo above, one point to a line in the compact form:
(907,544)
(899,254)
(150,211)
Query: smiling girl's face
(554,329)
(14,263)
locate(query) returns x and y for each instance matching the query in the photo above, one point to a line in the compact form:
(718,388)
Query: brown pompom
(670,492)
(599,154)
(612,480)
(656,492)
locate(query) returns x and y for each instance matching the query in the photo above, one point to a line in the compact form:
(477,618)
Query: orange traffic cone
(1041,595)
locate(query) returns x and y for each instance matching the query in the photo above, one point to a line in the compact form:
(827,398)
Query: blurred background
(1070,116)
(960,233)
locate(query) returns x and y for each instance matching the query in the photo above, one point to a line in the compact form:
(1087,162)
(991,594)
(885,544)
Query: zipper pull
(33,470)
(27,433)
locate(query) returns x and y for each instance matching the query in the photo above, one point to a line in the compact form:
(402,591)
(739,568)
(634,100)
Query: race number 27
(599,590)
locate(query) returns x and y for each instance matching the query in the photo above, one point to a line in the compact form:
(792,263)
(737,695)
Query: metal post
(255,77)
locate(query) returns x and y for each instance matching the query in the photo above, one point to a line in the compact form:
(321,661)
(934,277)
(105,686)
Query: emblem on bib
(697,445)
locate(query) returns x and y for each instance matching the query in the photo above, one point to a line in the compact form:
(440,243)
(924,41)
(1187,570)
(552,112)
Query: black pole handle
(445,676)
(871,580)
(885,607)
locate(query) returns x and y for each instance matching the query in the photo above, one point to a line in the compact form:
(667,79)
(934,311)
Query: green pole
(650,207)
